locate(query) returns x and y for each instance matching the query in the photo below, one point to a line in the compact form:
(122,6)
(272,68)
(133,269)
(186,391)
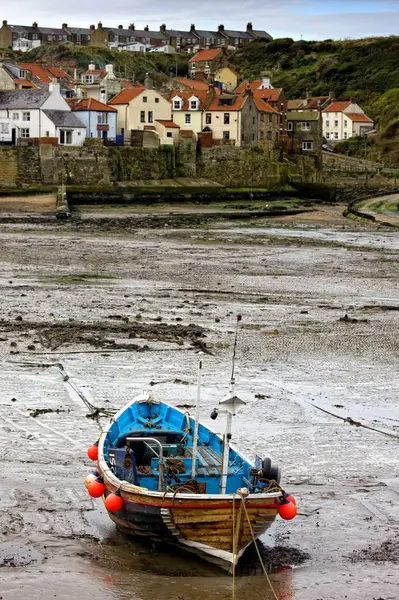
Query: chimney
(4,23)
(109,68)
(35,25)
(64,26)
(192,28)
(54,87)
(100,25)
(221,28)
(146,28)
(92,67)
(249,28)
(148,84)
(248,91)
(162,29)
(92,27)
(131,26)
(352,100)
(120,26)
(331,95)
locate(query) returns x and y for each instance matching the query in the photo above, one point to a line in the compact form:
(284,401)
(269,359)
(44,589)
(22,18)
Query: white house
(133,47)
(343,120)
(27,114)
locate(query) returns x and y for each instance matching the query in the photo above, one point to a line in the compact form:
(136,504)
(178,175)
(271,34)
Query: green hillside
(367,70)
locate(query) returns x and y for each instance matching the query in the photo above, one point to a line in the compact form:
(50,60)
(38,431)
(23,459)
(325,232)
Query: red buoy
(113,502)
(291,498)
(287,511)
(92,452)
(96,489)
(89,479)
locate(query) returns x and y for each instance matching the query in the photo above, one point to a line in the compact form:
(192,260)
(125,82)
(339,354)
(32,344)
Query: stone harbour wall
(95,165)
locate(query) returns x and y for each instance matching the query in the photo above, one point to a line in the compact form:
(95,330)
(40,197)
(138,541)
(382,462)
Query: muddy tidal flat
(121,306)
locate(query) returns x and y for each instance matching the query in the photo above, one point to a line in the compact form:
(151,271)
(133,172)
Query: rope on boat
(234,546)
(257,549)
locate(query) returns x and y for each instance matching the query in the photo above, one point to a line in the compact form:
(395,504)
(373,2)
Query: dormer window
(194,103)
(177,103)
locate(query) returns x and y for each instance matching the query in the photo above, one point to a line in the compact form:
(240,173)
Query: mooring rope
(257,549)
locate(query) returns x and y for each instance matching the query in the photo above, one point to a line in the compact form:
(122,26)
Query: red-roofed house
(100,84)
(100,120)
(233,119)
(139,108)
(343,120)
(188,107)
(262,89)
(206,62)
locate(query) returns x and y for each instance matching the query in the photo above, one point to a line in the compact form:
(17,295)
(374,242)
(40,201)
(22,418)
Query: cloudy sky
(313,19)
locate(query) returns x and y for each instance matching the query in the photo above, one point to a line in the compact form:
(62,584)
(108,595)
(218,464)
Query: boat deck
(210,463)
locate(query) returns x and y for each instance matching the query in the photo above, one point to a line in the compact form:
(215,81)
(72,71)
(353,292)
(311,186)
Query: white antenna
(231,404)
(195,439)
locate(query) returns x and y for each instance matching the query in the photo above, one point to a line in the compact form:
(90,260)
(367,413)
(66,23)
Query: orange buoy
(92,452)
(287,511)
(113,502)
(89,479)
(96,488)
(291,498)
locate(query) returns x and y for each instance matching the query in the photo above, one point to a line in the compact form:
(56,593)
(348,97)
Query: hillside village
(211,104)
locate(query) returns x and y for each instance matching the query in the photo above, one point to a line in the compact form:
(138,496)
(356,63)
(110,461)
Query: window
(327,123)
(307,145)
(345,123)
(4,128)
(25,132)
(65,137)
(261,135)
(150,116)
(335,123)
(226,135)
(156,100)
(188,120)
(305,126)
(15,116)
(208,118)
(345,136)
(253,120)
(335,135)
(176,104)
(193,105)
(144,98)
(327,136)
(26,116)
(269,135)
(169,134)
(290,126)
(47,134)
(142,116)
(193,65)
(102,118)
(226,118)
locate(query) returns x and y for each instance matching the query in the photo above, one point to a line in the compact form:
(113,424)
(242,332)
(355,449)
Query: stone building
(305,133)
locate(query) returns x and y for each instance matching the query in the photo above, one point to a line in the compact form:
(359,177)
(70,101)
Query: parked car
(328,148)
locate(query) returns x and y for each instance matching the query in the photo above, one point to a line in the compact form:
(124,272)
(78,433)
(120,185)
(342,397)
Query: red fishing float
(92,452)
(287,511)
(96,488)
(114,502)
(291,498)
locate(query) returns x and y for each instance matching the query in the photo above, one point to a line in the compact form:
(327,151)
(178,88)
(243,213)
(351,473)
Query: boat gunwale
(130,488)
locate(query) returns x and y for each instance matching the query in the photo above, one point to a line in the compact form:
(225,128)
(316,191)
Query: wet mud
(91,317)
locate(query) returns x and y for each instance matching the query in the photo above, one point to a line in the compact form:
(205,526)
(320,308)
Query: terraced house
(25,37)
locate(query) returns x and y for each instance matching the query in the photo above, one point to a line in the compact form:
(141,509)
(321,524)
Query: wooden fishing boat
(169,478)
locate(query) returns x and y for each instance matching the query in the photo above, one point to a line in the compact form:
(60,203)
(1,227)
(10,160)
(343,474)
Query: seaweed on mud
(388,551)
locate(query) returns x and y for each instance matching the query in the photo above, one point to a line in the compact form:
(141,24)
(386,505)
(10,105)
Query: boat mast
(229,419)
(195,439)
